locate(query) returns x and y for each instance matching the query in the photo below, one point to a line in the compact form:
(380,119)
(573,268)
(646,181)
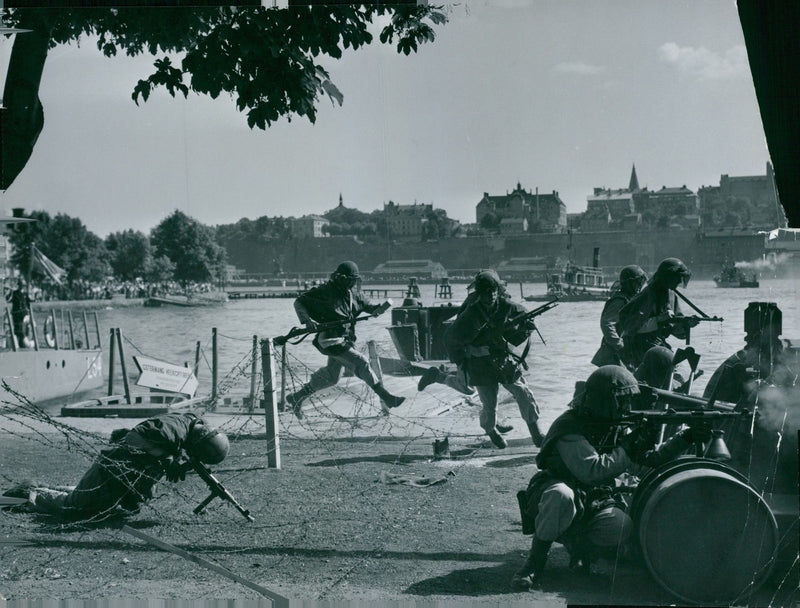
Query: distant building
(525,268)
(742,202)
(635,207)
(513,225)
(309,226)
(542,212)
(406,220)
(661,207)
(397,269)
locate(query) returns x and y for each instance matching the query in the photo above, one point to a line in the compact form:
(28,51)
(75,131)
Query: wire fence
(349,410)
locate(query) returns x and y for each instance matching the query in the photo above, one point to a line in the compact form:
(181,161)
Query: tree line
(179,248)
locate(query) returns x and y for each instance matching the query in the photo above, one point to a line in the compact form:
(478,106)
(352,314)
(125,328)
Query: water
(570,329)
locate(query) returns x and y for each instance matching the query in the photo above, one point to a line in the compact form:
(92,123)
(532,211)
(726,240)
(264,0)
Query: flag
(48,266)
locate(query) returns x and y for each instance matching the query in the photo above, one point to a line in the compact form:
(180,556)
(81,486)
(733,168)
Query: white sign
(165,376)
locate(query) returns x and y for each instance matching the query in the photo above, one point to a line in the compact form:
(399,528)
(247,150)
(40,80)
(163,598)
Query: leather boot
(529,574)
(536,433)
(429,376)
(389,399)
(295,400)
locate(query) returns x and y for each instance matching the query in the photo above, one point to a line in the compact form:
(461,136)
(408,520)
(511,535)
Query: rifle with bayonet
(217,490)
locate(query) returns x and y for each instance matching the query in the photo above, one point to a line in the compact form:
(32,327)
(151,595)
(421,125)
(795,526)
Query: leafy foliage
(130,254)
(266,59)
(66,241)
(190,246)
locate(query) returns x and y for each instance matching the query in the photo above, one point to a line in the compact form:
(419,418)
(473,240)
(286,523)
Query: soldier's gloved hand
(699,433)
(176,470)
(639,441)
(529,325)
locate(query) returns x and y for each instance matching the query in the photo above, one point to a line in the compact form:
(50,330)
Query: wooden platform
(141,406)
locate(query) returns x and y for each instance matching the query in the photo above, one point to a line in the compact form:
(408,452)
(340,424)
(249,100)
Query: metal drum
(706,536)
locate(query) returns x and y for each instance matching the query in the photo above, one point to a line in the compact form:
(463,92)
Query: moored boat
(574,283)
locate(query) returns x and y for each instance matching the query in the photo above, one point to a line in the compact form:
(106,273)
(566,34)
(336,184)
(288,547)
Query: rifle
(532,314)
(321,327)
(681,401)
(217,490)
(693,418)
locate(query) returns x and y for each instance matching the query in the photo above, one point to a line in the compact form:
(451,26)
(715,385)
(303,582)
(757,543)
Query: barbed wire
(323,423)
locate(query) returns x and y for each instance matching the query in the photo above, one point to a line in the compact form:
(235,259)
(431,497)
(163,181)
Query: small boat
(731,276)
(210,299)
(574,283)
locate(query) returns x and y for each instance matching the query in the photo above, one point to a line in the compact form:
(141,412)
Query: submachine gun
(681,409)
(217,490)
(688,321)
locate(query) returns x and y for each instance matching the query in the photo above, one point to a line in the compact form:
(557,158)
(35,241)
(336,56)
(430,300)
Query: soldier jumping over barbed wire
(338,302)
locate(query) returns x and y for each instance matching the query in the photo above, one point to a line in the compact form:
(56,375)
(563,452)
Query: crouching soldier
(125,473)
(572,498)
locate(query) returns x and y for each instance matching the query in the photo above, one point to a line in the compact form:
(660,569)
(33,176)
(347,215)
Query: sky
(557,95)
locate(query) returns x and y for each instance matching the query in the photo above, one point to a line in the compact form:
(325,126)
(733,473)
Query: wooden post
(55,329)
(33,328)
(86,329)
(253,372)
(96,329)
(213,363)
(270,406)
(71,332)
(122,365)
(282,402)
(197,359)
(10,322)
(375,364)
(111,364)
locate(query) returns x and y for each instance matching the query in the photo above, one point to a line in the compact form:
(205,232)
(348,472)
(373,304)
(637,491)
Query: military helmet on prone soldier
(209,446)
(486,281)
(346,269)
(607,393)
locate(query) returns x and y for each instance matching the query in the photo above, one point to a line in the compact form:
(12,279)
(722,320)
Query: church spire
(341,203)
(634,183)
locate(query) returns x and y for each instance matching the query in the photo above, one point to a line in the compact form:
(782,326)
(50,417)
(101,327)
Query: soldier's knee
(557,511)
(610,527)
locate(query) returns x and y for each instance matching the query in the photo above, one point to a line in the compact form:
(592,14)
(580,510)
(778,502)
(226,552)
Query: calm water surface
(570,329)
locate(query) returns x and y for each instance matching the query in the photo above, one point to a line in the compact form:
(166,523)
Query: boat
(731,276)
(574,283)
(209,299)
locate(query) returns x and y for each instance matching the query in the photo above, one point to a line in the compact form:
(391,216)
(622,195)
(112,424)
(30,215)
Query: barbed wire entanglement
(343,431)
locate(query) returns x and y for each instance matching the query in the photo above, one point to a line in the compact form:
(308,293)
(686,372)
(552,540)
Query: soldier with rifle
(478,343)
(330,311)
(124,475)
(654,313)
(574,499)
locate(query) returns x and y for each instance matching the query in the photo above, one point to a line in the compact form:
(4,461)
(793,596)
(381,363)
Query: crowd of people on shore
(108,289)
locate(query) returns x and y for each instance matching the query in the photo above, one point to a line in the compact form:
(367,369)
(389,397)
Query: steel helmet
(487,280)
(209,446)
(346,269)
(632,275)
(656,367)
(672,270)
(602,399)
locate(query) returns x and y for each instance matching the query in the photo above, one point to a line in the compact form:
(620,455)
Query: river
(571,331)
